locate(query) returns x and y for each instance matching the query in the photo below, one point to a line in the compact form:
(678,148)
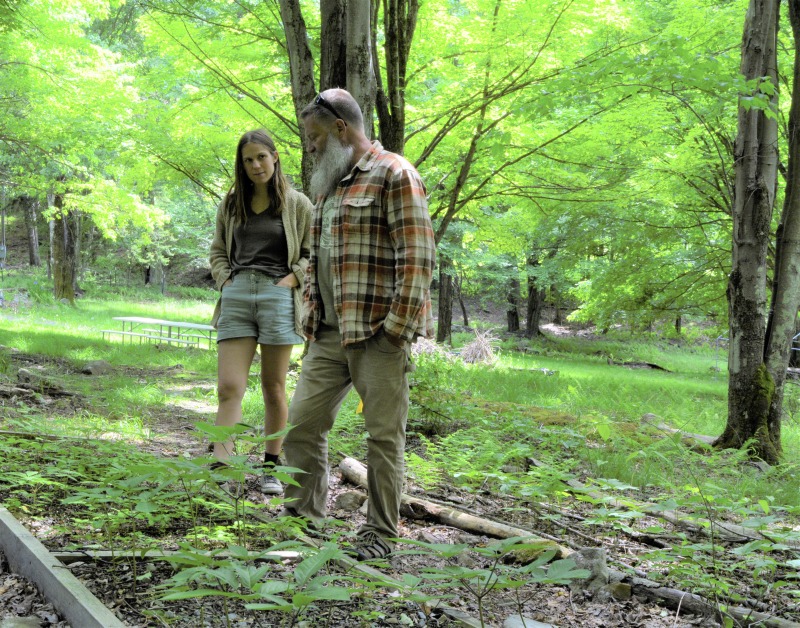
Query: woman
(259,256)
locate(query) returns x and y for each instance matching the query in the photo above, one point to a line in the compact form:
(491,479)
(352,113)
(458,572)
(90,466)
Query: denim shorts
(254,307)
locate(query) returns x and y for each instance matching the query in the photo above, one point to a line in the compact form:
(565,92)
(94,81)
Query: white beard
(331,166)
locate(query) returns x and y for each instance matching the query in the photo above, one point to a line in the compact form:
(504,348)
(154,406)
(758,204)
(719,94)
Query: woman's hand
(290,281)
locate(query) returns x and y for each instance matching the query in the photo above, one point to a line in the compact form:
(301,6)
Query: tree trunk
(333,44)
(64,252)
(535,303)
(360,75)
(457,283)
(158,276)
(512,314)
(29,207)
(346,57)
(51,236)
(77,233)
(445,319)
(750,384)
(786,277)
(301,69)
(399,23)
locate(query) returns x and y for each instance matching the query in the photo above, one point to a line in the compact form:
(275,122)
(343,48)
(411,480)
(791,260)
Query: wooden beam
(87,556)
(29,558)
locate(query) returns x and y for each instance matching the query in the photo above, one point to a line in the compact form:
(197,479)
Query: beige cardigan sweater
(296,215)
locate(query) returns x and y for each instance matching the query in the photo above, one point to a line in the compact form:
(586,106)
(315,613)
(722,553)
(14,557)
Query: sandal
(370,546)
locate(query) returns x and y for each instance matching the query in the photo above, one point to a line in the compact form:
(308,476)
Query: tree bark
(794,353)
(64,252)
(360,74)
(29,207)
(333,44)
(786,277)
(346,57)
(399,23)
(301,69)
(457,283)
(750,384)
(51,236)
(535,304)
(512,314)
(445,319)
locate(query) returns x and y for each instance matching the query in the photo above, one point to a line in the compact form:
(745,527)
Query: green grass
(567,402)
(584,380)
(691,396)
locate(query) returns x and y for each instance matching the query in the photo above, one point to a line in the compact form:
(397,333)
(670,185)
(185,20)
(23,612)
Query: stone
(460,618)
(429,537)
(349,501)
(614,590)
(593,559)
(519,621)
(96,367)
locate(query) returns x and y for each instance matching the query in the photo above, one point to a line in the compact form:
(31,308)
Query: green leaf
(316,561)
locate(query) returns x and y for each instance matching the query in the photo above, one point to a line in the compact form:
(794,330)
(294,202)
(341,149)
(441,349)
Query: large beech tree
(349,58)
(760,336)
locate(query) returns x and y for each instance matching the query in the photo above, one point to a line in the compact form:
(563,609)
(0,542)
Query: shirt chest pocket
(360,213)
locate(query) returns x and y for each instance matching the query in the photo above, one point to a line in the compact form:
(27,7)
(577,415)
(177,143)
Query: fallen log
(637,365)
(707,440)
(719,530)
(356,473)
(697,605)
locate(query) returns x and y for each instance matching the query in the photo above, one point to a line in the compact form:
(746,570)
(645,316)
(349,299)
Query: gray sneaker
(270,485)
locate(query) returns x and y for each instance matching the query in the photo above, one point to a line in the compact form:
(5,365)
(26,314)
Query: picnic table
(157,329)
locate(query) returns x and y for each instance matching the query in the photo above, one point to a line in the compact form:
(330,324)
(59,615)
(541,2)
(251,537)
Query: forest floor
(172,435)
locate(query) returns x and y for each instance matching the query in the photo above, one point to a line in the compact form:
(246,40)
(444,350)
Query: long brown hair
(241,193)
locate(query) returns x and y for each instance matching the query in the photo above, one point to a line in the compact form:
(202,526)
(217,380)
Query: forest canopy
(581,150)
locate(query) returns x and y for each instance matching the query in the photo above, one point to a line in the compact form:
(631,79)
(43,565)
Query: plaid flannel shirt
(382,254)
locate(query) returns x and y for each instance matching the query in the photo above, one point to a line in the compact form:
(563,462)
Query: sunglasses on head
(319,100)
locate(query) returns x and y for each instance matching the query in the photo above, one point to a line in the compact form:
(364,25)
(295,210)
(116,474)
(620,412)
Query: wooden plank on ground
(69,558)
(29,558)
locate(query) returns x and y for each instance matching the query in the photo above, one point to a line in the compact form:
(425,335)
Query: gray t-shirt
(324,272)
(259,243)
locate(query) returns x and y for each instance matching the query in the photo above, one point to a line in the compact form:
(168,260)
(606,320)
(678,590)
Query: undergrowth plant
(547,413)
(235,574)
(482,571)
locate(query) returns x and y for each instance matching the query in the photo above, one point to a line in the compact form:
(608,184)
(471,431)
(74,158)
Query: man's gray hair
(342,102)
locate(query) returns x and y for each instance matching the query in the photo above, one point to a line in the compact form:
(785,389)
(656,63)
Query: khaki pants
(377,370)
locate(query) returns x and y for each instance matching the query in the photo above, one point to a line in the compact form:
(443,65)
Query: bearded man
(367,299)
